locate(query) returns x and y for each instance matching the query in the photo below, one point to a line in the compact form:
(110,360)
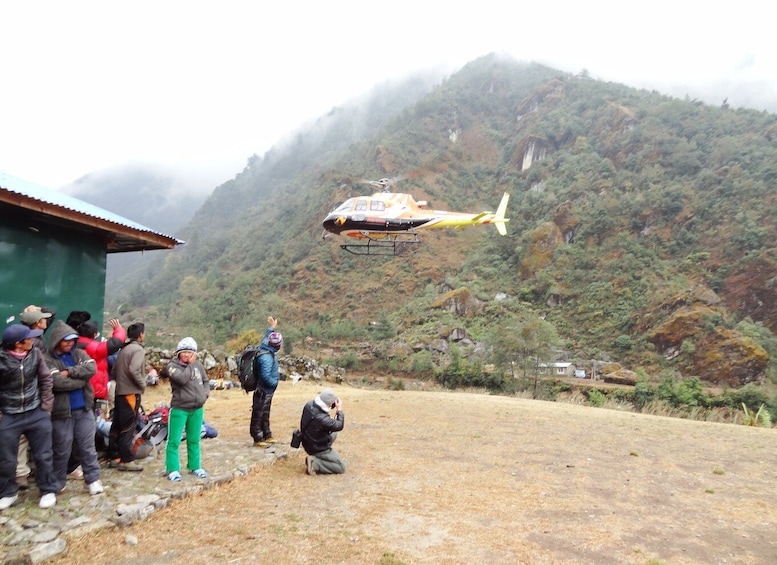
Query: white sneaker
(48,500)
(95,487)
(8,501)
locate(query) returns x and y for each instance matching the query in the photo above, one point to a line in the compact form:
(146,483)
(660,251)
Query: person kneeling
(319,431)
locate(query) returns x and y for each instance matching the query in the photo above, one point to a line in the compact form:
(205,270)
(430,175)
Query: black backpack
(246,367)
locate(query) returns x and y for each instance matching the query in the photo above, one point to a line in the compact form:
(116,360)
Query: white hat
(186,344)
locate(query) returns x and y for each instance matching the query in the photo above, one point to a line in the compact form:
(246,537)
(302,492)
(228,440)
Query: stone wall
(222,366)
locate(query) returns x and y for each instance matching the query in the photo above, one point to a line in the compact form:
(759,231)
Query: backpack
(247,372)
(151,430)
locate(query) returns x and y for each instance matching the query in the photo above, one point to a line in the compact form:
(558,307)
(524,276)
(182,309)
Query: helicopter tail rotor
(499,218)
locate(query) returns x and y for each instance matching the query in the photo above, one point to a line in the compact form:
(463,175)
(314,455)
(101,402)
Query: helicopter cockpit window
(377,206)
(361,205)
(345,206)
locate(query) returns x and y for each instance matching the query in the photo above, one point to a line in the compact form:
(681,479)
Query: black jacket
(25,384)
(317,428)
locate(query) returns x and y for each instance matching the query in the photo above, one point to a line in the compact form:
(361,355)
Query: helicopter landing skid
(395,246)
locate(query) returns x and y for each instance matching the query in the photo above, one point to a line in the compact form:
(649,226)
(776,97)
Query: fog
(201,87)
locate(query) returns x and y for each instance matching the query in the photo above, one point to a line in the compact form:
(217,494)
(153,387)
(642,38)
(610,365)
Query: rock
(727,357)
(87,527)
(458,334)
(45,551)
(460,301)
(544,241)
(681,325)
(128,513)
(209,362)
(622,377)
(44,535)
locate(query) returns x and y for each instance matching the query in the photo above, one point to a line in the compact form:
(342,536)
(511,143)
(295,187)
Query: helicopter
(387,223)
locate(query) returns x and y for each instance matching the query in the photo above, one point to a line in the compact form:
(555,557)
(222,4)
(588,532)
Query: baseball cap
(19,332)
(33,317)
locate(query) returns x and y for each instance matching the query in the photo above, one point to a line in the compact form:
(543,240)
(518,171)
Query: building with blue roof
(53,249)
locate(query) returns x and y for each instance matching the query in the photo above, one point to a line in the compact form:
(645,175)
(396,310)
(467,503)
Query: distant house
(53,249)
(556,369)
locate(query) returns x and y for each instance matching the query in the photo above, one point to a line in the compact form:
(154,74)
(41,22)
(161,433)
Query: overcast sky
(204,85)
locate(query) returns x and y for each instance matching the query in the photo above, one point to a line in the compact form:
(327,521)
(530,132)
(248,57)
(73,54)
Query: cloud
(91,85)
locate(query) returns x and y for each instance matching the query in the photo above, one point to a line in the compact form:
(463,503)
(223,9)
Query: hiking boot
(48,500)
(114,463)
(129,466)
(263,444)
(23,483)
(8,501)
(309,466)
(96,487)
(270,440)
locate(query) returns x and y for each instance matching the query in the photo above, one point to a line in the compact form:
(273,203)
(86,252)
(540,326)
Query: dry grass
(439,477)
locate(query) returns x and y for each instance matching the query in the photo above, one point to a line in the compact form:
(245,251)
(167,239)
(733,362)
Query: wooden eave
(118,238)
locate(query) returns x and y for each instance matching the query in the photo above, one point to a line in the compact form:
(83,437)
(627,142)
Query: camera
(296,439)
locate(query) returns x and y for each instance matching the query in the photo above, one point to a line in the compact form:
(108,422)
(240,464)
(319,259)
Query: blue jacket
(269,373)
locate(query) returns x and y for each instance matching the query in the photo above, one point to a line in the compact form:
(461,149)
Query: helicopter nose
(330,224)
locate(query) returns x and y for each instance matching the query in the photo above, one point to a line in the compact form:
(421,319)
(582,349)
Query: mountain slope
(630,213)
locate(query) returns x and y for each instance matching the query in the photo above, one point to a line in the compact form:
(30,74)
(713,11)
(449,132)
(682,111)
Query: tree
(523,343)
(384,329)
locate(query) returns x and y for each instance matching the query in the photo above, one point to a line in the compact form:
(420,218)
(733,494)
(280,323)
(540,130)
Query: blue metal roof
(54,198)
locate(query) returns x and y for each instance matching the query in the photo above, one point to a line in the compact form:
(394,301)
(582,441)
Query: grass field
(455,477)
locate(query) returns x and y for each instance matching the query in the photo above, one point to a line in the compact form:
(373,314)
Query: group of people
(317,425)
(51,397)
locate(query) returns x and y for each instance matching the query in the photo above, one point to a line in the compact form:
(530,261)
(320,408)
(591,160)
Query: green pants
(191,421)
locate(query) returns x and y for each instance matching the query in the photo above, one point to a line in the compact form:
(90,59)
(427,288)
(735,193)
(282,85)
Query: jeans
(260,415)
(75,434)
(36,425)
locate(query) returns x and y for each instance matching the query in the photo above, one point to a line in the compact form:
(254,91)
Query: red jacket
(99,351)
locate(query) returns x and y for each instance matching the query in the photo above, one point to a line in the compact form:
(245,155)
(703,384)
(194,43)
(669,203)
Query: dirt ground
(452,477)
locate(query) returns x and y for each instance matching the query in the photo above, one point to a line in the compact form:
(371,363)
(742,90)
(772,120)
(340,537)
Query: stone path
(29,534)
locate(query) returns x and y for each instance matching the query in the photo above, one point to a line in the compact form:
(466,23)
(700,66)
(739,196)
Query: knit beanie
(327,396)
(186,344)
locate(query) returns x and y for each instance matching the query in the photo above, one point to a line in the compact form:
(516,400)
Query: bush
(348,360)
(596,398)
(644,393)
(684,392)
(623,342)
(395,384)
(422,363)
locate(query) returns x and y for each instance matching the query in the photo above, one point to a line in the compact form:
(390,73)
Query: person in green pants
(191,388)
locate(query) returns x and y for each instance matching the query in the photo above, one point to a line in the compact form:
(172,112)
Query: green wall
(49,265)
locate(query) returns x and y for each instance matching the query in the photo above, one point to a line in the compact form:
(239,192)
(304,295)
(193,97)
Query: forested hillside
(640,233)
